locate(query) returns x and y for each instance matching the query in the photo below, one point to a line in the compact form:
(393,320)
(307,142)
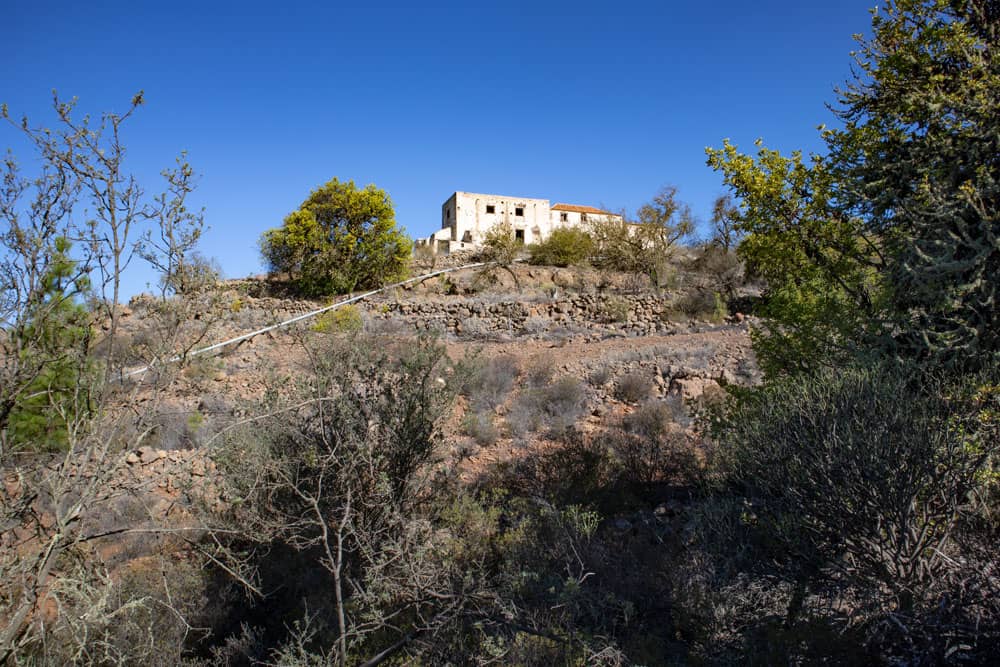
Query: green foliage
(887,244)
(501,245)
(822,286)
(345,319)
(565,246)
(874,479)
(644,247)
(58,335)
(340,239)
(919,158)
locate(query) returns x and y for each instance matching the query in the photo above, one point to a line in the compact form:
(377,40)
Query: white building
(467,217)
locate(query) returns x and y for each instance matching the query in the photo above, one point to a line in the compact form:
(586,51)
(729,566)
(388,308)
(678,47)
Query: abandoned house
(466,218)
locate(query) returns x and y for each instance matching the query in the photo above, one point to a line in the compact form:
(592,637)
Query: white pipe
(305,316)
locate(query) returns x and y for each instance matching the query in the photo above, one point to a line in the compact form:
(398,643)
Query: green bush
(871,478)
(345,319)
(340,239)
(565,246)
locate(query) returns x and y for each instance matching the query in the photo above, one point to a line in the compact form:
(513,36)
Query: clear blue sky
(588,103)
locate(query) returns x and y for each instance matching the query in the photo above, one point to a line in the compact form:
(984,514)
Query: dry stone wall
(629,314)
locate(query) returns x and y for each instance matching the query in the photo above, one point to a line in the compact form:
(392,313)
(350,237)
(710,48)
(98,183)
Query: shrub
(554,408)
(615,309)
(724,269)
(345,319)
(650,450)
(701,303)
(600,376)
(480,427)
(562,403)
(565,246)
(486,383)
(633,388)
(864,476)
(541,370)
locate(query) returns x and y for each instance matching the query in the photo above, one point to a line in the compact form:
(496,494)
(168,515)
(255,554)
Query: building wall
(575,218)
(475,214)
(466,218)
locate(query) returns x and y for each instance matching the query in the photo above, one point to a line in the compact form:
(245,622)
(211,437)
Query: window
(519,235)
(583,217)
(519,212)
(490,208)
(563,217)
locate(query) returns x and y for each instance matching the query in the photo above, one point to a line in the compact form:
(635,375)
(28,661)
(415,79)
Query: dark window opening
(490,208)
(583,217)
(563,217)
(519,212)
(519,235)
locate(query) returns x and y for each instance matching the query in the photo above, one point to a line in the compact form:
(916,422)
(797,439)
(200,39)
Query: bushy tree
(341,238)
(821,268)
(918,159)
(889,242)
(643,247)
(565,246)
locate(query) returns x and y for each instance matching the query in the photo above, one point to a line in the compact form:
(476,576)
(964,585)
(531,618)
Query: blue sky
(588,103)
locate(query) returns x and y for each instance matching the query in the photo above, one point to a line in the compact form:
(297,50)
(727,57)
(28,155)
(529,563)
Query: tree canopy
(888,243)
(341,238)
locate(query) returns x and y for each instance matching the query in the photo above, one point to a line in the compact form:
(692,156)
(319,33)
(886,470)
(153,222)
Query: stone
(563,278)
(147,455)
(692,388)
(131,458)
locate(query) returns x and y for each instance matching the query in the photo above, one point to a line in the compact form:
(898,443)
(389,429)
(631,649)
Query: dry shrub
(615,310)
(541,369)
(699,303)
(653,448)
(486,382)
(633,388)
(480,427)
(600,376)
(554,408)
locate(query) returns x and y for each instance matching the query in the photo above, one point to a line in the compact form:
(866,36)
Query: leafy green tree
(565,246)
(918,158)
(341,238)
(889,242)
(820,267)
(59,328)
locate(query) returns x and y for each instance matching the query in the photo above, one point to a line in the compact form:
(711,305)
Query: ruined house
(467,217)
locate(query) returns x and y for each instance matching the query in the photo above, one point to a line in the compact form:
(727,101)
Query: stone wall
(624,314)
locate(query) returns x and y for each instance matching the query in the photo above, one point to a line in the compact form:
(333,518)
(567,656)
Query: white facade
(466,218)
